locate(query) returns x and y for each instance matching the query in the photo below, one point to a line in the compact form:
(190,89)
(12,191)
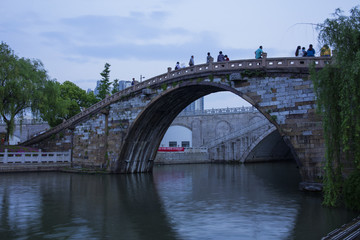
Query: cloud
(138,36)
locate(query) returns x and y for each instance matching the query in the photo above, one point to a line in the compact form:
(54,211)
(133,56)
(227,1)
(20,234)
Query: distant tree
(116,85)
(53,107)
(22,84)
(104,86)
(337,88)
(76,97)
(91,99)
(64,101)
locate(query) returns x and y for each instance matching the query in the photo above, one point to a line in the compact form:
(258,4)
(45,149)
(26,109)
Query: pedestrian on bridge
(209,58)
(304,53)
(191,61)
(325,51)
(221,57)
(311,51)
(133,82)
(298,52)
(177,66)
(258,53)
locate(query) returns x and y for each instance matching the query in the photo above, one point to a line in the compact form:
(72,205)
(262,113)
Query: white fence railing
(34,157)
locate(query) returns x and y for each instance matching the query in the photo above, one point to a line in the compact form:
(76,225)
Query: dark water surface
(257,201)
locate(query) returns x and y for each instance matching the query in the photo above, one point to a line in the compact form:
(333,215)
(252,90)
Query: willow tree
(24,84)
(338,98)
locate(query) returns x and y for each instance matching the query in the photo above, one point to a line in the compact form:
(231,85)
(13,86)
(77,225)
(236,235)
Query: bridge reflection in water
(175,202)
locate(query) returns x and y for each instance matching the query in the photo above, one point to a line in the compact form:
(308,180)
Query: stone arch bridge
(122,132)
(240,134)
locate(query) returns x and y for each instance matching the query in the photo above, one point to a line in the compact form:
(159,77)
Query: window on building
(172,144)
(185,144)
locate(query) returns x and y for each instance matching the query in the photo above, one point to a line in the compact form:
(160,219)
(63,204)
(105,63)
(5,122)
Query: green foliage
(62,101)
(337,87)
(22,85)
(76,98)
(52,107)
(273,118)
(104,86)
(115,86)
(352,191)
(253,73)
(164,86)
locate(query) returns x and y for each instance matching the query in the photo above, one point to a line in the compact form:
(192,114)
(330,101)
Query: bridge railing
(265,63)
(34,157)
(218,111)
(240,133)
(31,121)
(212,68)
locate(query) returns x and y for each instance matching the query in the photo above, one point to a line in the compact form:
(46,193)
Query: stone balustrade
(217,111)
(18,121)
(34,157)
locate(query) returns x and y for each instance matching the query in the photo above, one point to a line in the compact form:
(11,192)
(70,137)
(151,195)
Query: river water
(206,201)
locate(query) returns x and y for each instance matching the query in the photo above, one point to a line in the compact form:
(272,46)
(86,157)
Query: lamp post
(141,77)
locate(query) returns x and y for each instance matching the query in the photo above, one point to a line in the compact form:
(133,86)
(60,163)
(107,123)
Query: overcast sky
(74,39)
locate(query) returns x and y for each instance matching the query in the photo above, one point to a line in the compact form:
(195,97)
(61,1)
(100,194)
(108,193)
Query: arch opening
(143,139)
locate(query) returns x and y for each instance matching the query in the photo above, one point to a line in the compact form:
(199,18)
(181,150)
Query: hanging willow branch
(338,98)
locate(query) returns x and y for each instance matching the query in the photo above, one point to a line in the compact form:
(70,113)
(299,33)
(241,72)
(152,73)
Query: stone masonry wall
(290,103)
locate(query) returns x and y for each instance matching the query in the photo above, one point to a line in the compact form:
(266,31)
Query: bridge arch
(268,145)
(222,128)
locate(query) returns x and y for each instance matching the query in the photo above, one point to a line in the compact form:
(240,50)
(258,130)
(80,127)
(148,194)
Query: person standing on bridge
(221,57)
(298,52)
(304,53)
(311,51)
(177,66)
(191,61)
(258,53)
(209,58)
(325,51)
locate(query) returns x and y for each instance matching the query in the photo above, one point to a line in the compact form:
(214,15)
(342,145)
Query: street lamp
(141,78)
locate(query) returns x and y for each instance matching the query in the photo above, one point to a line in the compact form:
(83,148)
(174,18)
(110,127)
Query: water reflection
(227,201)
(73,206)
(258,201)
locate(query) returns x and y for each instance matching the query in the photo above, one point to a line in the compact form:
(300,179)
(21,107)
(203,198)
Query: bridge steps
(350,231)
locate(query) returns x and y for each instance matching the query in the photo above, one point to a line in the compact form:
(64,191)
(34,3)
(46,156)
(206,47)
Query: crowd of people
(325,51)
(259,53)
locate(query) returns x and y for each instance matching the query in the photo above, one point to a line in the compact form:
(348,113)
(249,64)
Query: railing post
(168,72)
(69,158)
(6,156)
(22,158)
(264,56)
(39,156)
